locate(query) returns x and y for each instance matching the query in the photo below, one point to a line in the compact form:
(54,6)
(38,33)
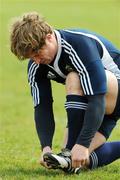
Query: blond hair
(28,34)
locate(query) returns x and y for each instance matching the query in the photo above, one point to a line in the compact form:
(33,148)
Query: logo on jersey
(69,68)
(50,75)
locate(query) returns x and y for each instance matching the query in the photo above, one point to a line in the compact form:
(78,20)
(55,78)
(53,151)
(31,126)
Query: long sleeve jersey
(82,51)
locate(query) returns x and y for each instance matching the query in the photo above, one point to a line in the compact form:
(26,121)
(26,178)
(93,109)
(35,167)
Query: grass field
(19,145)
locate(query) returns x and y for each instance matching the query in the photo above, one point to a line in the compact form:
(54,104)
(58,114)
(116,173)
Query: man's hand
(45,150)
(80,155)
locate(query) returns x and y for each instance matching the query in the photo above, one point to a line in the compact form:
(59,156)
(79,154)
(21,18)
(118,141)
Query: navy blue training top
(82,51)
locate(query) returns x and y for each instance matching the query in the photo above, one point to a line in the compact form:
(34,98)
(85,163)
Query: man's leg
(104,155)
(75,105)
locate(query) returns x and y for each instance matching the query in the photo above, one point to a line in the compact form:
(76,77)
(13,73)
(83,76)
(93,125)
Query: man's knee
(97,141)
(73,84)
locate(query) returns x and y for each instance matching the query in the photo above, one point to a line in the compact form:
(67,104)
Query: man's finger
(76,164)
(83,162)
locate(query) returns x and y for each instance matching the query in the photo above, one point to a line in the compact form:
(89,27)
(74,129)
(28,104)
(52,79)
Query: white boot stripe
(61,160)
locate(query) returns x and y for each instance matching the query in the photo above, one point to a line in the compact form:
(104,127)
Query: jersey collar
(58,37)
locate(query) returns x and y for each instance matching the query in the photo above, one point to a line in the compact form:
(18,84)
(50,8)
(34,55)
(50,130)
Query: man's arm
(92,75)
(42,96)
(44,120)
(45,126)
(92,120)
(89,66)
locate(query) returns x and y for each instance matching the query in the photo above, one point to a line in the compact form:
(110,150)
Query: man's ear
(49,36)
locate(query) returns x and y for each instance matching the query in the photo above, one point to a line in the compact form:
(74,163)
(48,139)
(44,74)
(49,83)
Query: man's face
(47,53)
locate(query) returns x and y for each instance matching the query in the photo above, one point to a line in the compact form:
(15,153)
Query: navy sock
(75,106)
(105,154)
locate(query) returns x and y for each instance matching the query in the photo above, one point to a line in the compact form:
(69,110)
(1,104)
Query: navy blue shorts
(109,121)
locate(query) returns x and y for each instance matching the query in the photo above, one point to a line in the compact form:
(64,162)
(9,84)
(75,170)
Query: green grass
(19,145)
